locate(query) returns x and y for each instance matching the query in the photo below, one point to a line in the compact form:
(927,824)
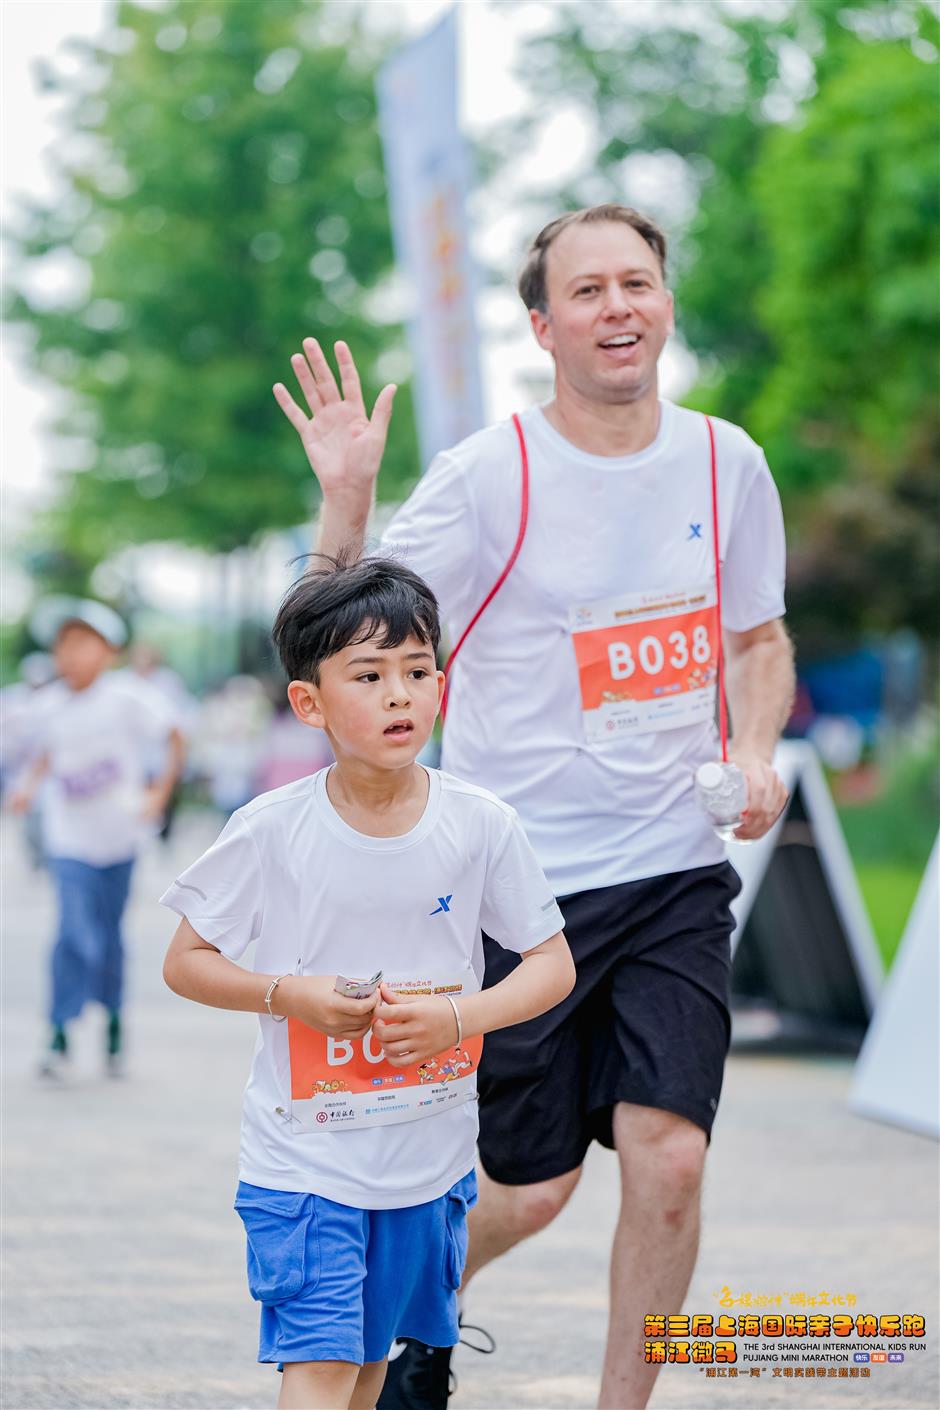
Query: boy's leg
(317,1385)
(369,1385)
(113,888)
(74,952)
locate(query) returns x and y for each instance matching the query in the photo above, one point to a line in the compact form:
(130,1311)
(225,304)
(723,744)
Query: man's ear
(304,700)
(542,328)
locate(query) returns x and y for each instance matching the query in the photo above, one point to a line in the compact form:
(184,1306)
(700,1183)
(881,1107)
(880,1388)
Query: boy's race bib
(345,1083)
(646,661)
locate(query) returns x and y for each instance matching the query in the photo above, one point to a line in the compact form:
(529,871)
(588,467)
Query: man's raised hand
(344,446)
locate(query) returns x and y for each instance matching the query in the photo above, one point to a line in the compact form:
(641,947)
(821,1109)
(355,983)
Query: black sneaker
(419,1377)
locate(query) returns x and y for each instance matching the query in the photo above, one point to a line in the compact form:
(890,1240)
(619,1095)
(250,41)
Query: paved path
(123,1281)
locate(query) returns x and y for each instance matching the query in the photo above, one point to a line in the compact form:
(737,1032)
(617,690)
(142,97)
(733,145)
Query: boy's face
(80,655)
(377,704)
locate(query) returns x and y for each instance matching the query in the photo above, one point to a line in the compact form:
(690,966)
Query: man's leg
(656,1242)
(504,1215)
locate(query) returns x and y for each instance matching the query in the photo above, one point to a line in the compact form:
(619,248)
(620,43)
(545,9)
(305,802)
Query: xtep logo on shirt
(443,904)
(695,532)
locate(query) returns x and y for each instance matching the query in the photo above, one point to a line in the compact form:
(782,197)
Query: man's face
(609,312)
(377,704)
(80,655)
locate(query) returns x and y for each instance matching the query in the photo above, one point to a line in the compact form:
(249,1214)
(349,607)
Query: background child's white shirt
(99,742)
(321,898)
(599,527)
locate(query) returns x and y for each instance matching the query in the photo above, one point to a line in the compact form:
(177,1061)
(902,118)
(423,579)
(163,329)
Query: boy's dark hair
(343,603)
(532,279)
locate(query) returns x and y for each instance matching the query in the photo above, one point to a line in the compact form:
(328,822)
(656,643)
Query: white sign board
(897,1076)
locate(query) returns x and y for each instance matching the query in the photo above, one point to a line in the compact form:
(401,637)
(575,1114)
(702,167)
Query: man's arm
(760,683)
(343,445)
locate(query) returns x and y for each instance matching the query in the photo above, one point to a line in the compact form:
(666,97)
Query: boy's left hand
(411,1029)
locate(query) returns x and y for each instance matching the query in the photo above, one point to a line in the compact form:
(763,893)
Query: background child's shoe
(54,1062)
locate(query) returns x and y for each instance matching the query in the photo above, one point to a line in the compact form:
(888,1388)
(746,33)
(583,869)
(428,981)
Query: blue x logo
(443,904)
(695,531)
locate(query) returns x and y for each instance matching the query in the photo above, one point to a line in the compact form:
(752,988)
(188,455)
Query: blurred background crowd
(218,193)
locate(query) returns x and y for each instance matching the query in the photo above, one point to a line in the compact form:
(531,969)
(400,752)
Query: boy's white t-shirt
(599,528)
(321,898)
(99,742)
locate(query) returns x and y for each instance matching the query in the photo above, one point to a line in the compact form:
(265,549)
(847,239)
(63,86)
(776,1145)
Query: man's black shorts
(647,1022)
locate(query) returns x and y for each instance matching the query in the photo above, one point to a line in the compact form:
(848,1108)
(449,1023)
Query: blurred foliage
(900,824)
(890,837)
(798,151)
(889,890)
(224,193)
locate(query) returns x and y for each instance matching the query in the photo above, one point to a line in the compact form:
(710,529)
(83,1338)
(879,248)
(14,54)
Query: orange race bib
(347,1083)
(646,661)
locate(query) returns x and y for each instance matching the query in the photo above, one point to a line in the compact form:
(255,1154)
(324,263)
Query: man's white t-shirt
(99,742)
(320,898)
(599,528)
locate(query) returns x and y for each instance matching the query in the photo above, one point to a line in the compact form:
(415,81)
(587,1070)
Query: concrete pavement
(124,1284)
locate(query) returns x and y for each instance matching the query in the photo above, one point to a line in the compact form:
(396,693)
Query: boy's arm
(197,970)
(24,791)
(158,794)
(343,445)
(412,1029)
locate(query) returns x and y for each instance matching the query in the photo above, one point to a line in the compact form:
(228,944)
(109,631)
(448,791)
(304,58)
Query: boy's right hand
(312,999)
(344,446)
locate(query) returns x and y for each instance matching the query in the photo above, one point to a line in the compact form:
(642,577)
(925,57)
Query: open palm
(343,444)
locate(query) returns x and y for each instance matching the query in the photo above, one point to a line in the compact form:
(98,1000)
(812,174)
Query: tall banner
(427,169)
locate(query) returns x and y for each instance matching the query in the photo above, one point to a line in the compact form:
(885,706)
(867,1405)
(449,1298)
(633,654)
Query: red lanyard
(520,536)
(523,521)
(720,651)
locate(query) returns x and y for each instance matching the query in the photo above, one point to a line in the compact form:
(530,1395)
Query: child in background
(92,735)
(356,1171)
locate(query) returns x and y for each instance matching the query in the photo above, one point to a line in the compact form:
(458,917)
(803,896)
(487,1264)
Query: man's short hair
(532,279)
(343,603)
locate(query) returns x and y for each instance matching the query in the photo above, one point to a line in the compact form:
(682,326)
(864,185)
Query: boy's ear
(304,700)
(441,684)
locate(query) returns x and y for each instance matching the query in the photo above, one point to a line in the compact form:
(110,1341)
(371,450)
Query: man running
(585,696)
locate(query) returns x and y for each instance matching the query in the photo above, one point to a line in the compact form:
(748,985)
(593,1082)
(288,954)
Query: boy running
(360,1119)
(92,735)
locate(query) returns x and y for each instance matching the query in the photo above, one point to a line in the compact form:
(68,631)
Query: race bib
(345,1083)
(646,661)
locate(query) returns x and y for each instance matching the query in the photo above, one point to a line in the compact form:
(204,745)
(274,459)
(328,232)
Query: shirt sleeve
(222,894)
(752,585)
(435,531)
(518,909)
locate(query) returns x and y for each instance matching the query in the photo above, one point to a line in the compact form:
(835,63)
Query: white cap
(709,776)
(53,613)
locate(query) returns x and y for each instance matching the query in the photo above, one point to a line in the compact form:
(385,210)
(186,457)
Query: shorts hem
(657,1103)
(332,1353)
(532,1175)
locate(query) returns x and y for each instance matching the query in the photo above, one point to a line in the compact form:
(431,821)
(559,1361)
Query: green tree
(226,197)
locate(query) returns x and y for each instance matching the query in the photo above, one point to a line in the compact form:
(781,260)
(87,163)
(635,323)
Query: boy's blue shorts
(340,1284)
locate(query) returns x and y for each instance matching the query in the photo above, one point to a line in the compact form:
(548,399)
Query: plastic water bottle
(721,790)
